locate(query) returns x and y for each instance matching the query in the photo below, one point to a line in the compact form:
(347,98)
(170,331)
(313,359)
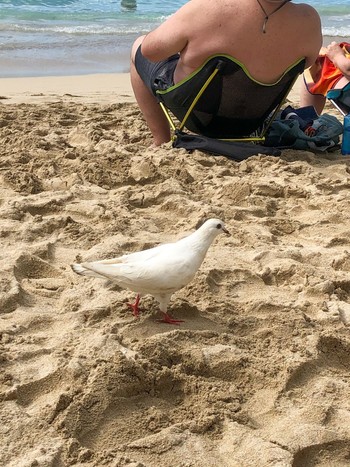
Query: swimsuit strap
(268,16)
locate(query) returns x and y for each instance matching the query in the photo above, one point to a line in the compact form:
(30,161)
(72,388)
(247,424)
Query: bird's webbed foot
(169,320)
(135,306)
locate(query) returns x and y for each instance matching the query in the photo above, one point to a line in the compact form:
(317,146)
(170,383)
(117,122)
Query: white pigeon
(158,271)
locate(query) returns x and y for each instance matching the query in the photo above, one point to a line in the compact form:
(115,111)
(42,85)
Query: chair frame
(334,95)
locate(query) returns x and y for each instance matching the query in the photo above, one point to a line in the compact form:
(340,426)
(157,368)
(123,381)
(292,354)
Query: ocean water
(67,37)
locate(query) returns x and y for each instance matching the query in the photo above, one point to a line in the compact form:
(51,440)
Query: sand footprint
(316,405)
(335,453)
(37,276)
(11,296)
(127,401)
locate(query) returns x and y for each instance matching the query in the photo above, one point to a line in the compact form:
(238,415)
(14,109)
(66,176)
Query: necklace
(272,12)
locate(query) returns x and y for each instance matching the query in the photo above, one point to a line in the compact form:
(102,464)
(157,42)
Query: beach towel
(324,73)
(322,135)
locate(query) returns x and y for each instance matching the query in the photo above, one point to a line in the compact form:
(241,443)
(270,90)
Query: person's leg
(306,98)
(153,114)
(341,83)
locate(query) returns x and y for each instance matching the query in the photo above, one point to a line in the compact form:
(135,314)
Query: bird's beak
(226,231)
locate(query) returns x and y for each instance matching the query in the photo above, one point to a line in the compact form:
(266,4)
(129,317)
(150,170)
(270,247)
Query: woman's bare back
(235,28)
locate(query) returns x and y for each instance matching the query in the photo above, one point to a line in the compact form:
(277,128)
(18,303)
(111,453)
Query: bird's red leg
(169,320)
(135,306)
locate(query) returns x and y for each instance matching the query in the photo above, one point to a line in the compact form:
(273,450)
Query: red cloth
(325,73)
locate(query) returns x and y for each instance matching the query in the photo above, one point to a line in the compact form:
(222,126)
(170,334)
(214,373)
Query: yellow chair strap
(204,87)
(165,110)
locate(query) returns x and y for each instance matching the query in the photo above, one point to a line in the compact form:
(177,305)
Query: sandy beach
(257,375)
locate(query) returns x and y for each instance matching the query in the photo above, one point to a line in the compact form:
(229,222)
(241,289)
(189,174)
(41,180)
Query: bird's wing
(157,274)
(150,253)
(137,256)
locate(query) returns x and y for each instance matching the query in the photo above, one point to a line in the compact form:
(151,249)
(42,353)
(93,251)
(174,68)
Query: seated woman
(267,36)
(330,71)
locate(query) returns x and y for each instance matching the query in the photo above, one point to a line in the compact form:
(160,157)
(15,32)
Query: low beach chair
(340,98)
(221,100)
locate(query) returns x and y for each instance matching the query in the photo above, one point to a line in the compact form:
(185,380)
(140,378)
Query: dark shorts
(156,75)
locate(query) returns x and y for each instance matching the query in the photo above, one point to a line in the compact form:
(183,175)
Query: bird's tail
(84,271)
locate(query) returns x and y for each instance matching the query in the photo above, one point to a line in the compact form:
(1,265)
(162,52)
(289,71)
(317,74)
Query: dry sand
(257,375)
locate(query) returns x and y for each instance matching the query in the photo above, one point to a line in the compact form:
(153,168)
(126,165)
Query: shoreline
(101,88)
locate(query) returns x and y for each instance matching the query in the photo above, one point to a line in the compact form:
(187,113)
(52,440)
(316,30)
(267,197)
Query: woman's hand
(338,56)
(334,50)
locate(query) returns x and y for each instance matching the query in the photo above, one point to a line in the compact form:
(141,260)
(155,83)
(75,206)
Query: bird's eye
(219,226)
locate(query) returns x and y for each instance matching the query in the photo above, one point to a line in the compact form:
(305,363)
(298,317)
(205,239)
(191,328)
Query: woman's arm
(339,58)
(170,37)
